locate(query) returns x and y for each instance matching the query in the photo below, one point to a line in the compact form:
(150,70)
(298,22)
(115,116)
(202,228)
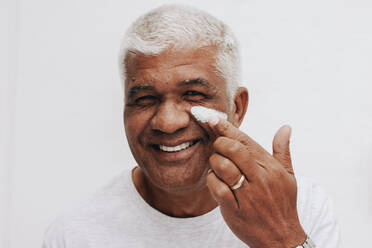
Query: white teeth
(175,148)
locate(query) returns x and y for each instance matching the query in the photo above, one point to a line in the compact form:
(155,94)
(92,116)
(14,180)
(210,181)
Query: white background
(306,63)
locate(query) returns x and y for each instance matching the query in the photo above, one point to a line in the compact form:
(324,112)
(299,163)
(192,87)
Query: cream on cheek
(203,114)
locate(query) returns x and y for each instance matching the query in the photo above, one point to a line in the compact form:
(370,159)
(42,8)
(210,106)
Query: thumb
(281,150)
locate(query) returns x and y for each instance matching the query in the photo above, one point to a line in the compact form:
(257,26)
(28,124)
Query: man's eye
(194,95)
(145,100)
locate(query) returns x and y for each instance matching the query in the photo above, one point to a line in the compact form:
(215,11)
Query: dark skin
(160,91)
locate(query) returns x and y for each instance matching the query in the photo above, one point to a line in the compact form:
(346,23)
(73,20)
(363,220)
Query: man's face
(170,146)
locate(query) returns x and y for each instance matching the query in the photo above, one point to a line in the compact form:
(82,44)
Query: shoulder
(70,228)
(316,215)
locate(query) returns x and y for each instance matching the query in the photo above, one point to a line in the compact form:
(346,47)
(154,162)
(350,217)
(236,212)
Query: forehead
(172,66)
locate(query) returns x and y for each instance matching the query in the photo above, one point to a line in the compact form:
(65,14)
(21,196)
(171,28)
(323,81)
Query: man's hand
(262,212)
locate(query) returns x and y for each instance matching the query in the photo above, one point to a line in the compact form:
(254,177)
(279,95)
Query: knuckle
(279,145)
(234,147)
(220,141)
(223,127)
(224,165)
(241,136)
(222,191)
(213,158)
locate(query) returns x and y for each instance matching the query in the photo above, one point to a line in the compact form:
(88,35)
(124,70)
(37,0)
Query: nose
(170,118)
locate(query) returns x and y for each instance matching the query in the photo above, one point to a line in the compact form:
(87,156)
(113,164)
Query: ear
(240,106)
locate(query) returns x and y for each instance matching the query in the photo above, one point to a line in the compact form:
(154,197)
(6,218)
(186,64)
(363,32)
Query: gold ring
(239,183)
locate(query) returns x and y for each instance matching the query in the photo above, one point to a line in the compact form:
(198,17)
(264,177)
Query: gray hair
(178,26)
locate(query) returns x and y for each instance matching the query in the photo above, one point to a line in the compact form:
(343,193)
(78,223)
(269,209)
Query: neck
(183,204)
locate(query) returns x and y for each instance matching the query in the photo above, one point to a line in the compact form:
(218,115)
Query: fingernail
(209,171)
(213,120)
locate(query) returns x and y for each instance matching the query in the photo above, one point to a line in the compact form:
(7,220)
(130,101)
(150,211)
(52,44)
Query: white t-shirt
(116,217)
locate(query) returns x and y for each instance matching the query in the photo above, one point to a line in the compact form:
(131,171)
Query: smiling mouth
(177,148)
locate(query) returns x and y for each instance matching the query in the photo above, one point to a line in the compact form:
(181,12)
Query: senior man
(196,184)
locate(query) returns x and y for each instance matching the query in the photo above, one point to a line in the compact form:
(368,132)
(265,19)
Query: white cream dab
(203,114)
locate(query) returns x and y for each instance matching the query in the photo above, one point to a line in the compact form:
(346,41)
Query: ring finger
(225,169)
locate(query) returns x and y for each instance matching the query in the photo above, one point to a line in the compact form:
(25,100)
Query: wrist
(296,239)
(308,243)
(293,240)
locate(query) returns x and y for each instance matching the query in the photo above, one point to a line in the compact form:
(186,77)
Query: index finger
(224,128)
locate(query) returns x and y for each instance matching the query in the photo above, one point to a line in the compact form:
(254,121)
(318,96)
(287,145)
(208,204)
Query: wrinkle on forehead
(182,64)
(168,58)
(140,67)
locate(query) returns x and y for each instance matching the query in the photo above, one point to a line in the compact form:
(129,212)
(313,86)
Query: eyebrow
(196,81)
(135,89)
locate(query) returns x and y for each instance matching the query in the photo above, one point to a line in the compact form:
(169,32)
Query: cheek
(135,124)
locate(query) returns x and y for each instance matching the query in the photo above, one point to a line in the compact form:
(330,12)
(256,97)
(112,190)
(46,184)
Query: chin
(178,178)
(175,172)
